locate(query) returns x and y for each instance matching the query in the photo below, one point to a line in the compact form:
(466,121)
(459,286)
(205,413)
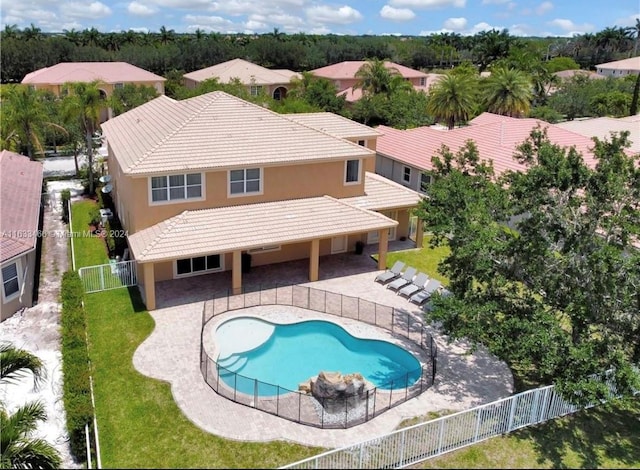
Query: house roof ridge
(361,209)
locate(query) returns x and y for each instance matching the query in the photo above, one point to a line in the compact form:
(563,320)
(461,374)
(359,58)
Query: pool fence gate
(108,276)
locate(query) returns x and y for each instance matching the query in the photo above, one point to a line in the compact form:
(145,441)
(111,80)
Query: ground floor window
(198,265)
(10,282)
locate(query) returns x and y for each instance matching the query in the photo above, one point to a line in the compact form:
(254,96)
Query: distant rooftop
(107,72)
(245,71)
(632,63)
(348,69)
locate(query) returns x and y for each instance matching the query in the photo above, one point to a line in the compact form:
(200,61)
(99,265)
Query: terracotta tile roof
(496,138)
(215,130)
(381,194)
(247,72)
(566,74)
(334,124)
(348,69)
(225,229)
(107,72)
(20,196)
(603,127)
(632,63)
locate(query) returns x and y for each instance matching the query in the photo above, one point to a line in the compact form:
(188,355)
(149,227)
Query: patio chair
(390,274)
(415,286)
(421,297)
(403,280)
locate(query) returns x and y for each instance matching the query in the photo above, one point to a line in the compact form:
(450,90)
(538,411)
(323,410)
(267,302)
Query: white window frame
(346,164)
(264,249)
(422,188)
(198,273)
(406,175)
(176,201)
(245,193)
(255,90)
(118,86)
(18,277)
(423,81)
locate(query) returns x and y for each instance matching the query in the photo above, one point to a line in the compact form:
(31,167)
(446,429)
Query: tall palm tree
(17,448)
(83,104)
(453,98)
(507,92)
(374,77)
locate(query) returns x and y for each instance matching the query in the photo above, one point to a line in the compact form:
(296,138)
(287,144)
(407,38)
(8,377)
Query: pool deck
(171,353)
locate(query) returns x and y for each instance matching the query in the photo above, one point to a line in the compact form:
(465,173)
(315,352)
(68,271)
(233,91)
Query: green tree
(507,92)
(17,448)
(130,96)
(453,98)
(319,92)
(374,77)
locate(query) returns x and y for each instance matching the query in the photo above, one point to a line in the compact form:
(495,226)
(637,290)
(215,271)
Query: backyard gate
(108,276)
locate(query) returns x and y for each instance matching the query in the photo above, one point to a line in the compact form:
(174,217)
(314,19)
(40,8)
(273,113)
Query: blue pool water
(286,355)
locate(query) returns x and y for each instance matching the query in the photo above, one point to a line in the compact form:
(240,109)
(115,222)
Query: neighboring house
(20,203)
(404,155)
(343,76)
(199,184)
(602,128)
(111,75)
(274,83)
(620,68)
(569,74)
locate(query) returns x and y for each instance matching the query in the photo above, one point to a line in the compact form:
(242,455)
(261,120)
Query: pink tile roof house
(496,138)
(20,196)
(343,75)
(107,72)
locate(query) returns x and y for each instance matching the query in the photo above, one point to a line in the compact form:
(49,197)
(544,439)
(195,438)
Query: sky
(352,17)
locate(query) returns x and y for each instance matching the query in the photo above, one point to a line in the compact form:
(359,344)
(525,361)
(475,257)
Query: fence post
(478,421)
(441,437)
(514,402)
(102,278)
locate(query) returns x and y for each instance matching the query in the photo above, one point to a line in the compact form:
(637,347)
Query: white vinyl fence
(422,441)
(108,276)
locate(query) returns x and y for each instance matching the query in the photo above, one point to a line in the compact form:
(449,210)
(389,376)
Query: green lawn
(602,437)
(424,259)
(89,249)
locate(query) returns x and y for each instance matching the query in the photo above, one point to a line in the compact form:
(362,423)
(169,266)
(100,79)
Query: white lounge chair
(415,286)
(421,297)
(390,274)
(403,280)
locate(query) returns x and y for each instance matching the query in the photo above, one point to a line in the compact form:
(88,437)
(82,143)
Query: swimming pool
(285,355)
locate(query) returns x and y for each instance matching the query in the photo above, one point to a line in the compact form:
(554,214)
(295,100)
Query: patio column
(314,259)
(149,286)
(383,245)
(419,232)
(236,273)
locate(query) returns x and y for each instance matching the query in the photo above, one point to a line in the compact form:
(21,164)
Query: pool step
(233,363)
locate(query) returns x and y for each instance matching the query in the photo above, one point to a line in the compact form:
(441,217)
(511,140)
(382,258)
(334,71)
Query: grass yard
(602,437)
(424,259)
(89,249)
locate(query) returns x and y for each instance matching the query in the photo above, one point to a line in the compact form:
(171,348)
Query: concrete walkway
(171,353)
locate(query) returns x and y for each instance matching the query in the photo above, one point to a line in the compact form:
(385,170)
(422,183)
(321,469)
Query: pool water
(286,355)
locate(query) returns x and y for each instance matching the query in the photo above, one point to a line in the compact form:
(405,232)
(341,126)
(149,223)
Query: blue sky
(407,17)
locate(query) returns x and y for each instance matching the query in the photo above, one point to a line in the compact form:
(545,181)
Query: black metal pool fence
(347,410)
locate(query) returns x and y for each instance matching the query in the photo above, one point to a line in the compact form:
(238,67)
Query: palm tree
(83,104)
(374,77)
(17,448)
(507,92)
(634,31)
(453,98)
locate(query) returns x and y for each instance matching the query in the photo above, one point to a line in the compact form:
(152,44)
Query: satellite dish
(107,188)
(105,178)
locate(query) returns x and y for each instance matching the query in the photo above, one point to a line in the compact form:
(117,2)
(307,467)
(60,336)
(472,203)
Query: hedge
(75,363)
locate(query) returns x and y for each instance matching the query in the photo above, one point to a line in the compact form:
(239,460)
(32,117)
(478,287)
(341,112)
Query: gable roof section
(247,72)
(225,229)
(107,72)
(632,63)
(381,193)
(496,137)
(334,124)
(347,69)
(20,195)
(215,130)
(603,127)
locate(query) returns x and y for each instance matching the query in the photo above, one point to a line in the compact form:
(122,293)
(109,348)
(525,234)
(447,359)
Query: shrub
(94,216)
(75,363)
(65,196)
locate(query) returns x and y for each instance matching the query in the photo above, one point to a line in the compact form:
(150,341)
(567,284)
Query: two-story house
(200,182)
(110,75)
(274,82)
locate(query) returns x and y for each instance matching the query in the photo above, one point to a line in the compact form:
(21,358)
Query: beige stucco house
(620,68)
(201,182)
(20,203)
(257,79)
(110,75)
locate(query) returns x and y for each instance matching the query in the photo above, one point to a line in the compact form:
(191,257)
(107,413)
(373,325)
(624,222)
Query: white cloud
(327,14)
(209,23)
(94,10)
(494,2)
(429,3)
(483,26)
(456,24)
(628,21)
(138,9)
(182,4)
(397,14)
(521,30)
(544,7)
(569,26)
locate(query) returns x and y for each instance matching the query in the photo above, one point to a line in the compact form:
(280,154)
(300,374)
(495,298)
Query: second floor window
(246,181)
(425,181)
(176,187)
(406,174)
(352,171)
